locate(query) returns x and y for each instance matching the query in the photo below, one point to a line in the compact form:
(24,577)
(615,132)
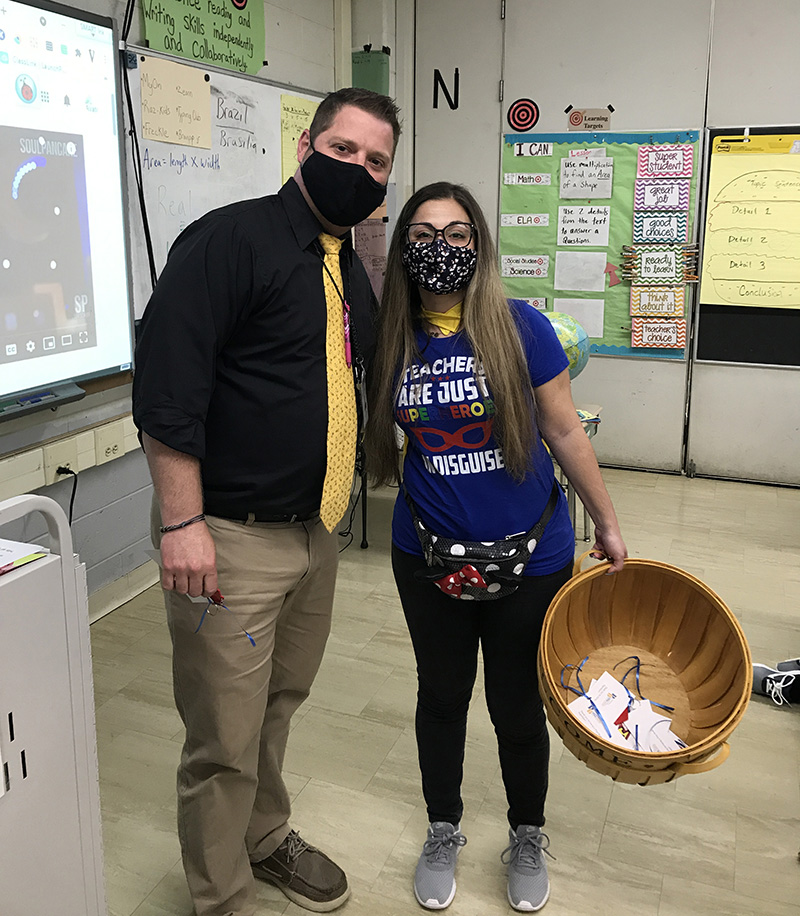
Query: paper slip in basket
(611,712)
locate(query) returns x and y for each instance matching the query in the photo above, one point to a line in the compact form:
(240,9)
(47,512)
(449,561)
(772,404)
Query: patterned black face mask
(438,267)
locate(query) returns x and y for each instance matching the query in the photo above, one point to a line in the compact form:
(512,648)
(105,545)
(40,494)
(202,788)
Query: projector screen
(64,291)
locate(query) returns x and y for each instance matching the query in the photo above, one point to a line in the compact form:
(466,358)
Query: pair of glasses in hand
(216,601)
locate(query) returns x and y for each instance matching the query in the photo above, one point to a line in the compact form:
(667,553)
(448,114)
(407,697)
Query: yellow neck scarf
(448,322)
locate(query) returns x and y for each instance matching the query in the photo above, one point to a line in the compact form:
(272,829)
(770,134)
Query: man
(244,396)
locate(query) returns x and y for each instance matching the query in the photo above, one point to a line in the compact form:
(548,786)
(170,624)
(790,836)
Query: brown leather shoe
(306,875)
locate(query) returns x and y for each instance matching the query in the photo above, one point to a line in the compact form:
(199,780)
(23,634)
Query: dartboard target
(523,114)
(576,118)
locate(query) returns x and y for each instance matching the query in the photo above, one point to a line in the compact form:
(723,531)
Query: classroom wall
(110,524)
(390,24)
(690,64)
(744,420)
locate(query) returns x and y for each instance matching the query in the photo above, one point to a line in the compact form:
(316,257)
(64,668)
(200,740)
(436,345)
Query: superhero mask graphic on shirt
(438,267)
(440,440)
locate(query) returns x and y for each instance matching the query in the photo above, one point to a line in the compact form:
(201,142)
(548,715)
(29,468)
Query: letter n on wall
(439,83)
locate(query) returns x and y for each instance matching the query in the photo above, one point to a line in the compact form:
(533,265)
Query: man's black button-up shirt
(230,363)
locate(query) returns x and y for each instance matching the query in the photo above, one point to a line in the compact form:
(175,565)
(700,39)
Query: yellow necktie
(342,423)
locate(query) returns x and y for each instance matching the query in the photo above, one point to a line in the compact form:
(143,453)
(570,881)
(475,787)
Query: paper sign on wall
(369,241)
(657,301)
(524,265)
(655,332)
(586,178)
(589,119)
(228,35)
(646,264)
(527,178)
(525,220)
(589,313)
(660,226)
(176,103)
(583,226)
(665,161)
(533,149)
(662,194)
(583,271)
(296,116)
(751,254)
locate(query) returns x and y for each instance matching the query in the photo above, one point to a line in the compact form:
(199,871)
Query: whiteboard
(181,183)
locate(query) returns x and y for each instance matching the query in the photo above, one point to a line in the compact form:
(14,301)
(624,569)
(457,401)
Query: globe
(573,339)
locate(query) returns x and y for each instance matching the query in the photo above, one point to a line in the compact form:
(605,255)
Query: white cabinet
(51,861)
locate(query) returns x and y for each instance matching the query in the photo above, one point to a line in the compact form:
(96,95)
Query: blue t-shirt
(454,469)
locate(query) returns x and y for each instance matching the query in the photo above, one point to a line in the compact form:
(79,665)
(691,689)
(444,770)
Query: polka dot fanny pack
(478,570)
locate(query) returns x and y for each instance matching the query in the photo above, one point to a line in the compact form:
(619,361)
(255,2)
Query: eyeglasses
(215,602)
(458,235)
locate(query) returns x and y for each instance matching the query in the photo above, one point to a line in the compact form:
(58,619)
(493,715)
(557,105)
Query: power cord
(347,533)
(63,471)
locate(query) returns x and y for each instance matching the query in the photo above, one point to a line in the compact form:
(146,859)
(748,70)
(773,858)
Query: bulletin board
(749,309)
(570,203)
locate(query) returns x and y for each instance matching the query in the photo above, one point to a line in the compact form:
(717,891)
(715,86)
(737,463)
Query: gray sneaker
(528,884)
(435,877)
(781,686)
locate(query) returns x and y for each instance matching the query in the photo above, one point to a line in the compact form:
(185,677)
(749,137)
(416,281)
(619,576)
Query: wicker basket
(694,657)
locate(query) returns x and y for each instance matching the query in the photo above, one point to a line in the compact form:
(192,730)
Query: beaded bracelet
(189,521)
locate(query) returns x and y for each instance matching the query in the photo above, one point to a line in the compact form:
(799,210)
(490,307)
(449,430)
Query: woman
(476,382)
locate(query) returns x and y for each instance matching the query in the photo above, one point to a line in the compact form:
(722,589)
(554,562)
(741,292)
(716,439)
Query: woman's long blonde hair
(490,328)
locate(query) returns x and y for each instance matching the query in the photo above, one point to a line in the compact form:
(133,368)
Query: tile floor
(723,843)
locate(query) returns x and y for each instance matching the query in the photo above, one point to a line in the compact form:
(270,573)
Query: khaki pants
(237,700)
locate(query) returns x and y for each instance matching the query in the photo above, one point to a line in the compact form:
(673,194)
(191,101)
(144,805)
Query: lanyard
(348,350)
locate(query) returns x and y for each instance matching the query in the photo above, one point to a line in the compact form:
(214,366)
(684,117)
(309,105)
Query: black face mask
(343,192)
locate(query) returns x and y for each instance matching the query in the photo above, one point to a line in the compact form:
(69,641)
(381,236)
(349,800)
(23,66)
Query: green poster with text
(223,33)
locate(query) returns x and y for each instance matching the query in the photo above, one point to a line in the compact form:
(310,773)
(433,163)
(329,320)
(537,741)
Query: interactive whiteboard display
(64,303)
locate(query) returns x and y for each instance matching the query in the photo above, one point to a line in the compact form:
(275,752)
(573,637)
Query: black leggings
(445,633)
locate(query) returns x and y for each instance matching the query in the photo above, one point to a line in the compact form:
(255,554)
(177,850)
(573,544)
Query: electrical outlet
(60,454)
(109,441)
